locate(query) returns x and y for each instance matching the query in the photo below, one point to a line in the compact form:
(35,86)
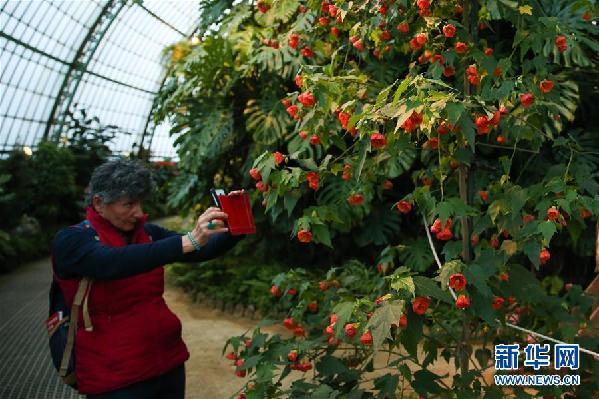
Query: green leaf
(454,112)
(330,365)
(478,275)
(467,126)
(416,255)
(344,312)
(386,385)
(404,283)
(428,287)
(445,210)
(548,229)
(290,200)
(449,268)
(322,234)
(381,321)
(498,207)
(251,362)
(532,249)
(483,355)
(401,89)
(425,382)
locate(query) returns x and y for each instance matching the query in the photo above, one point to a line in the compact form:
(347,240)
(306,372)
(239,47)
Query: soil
(205,331)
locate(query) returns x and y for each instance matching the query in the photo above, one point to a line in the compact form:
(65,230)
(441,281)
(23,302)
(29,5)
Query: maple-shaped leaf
(381,321)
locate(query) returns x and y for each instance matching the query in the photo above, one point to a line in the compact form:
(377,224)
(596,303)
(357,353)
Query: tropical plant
(416,131)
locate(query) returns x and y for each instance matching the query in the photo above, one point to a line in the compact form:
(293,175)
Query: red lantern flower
(366,338)
(462,302)
(423,4)
(420,305)
(403,27)
(347,174)
(544,256)
(448,71)
(314,140)
(335,31)
(298,80)
(449,30)
(460,47)
(403,321)
(307,52)
(299,331)
(293,40)
(307,99)
(289,323)
(344,119)
(457,281)
(255,173)
(332,10)
(377,140)
(552,213)
(304,236)
(260,186)
(355,199)
(404,206)
(497,302)
(561,42)
(546,86)
(312,180)
(489,51)
(527,99)
(482,125)
(412,122)
(278,158)
(358,45)
(275,291)
(350,330)
(445,235)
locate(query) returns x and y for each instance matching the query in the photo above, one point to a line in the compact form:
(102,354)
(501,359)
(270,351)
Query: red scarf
(110,235)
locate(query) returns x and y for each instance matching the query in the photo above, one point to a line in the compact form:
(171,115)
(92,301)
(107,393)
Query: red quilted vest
(135,335)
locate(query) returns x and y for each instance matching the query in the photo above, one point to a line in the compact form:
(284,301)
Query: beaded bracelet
(195,244)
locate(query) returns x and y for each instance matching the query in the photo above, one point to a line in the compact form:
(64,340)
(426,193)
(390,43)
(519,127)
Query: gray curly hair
(120,178)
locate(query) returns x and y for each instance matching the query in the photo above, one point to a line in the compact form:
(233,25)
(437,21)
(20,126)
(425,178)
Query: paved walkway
(26,370)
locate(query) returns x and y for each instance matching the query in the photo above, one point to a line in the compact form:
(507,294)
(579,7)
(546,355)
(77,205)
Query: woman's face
(122,213)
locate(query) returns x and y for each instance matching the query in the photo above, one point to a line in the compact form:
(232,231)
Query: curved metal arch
(78,66)
(150,126)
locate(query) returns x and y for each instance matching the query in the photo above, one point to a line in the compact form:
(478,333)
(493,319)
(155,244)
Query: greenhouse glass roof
(100,56)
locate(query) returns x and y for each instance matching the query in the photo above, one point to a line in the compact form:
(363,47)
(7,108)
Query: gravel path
(209,374)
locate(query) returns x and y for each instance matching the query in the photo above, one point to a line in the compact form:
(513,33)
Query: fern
(265,120)
(379,228)
(415,254)
(280,11)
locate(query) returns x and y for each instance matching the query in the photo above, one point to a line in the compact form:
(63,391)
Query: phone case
(237,206)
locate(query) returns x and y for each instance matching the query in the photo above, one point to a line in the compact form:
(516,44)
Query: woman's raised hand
(211,222)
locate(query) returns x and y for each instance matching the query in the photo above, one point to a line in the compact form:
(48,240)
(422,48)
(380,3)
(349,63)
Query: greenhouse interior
(299,199)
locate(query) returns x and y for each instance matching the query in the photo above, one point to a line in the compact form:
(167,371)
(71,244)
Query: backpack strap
(81,298)
(82,290)
(87,322)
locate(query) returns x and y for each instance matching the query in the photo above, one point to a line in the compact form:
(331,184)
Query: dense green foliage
(44,191)
(369,126)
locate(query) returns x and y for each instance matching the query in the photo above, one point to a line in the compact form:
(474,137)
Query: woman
(134,349)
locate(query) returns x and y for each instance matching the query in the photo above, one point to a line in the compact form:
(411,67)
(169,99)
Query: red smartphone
(237,206)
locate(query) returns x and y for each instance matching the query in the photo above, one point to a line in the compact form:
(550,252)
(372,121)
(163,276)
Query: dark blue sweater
(77,253)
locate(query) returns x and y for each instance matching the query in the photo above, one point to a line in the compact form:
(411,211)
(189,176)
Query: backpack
(62,329)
